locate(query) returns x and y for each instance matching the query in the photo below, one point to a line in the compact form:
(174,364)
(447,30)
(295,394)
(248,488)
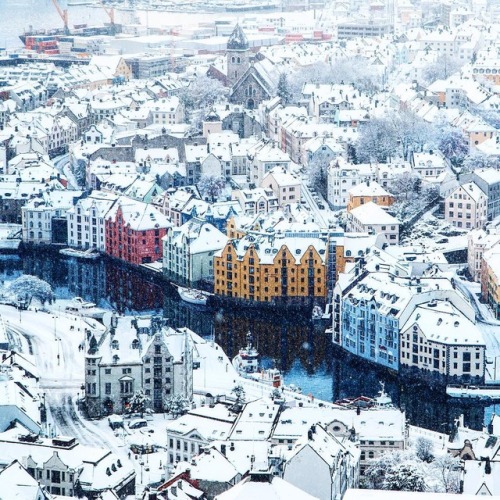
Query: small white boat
(193,296)
(83,308)
(473,392)
(89,254)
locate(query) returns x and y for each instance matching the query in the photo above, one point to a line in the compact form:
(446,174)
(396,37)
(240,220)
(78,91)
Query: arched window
(232,59)
(239,60)
(348,253)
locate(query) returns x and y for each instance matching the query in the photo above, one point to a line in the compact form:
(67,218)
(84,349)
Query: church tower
(238,57)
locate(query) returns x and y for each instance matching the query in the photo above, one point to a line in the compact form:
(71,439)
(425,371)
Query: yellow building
(273,268)
(369,191)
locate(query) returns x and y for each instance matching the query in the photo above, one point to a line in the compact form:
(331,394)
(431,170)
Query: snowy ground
(431,233)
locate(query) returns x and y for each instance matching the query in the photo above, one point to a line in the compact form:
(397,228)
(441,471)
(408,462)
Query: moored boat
(192,295)
(83,308)
(89,254)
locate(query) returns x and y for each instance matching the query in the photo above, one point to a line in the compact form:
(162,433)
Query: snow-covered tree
(441,69)
(476,160)
(176,406)
(317,173)
(424,449)
(404,477)
(202,93)
(446,470)
(454,145)
(211,186)
(28,287)
(377,141)
(405,186)
(283,90)
(138,403)
(239,393)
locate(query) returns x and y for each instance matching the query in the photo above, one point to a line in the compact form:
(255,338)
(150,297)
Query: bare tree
(424,449)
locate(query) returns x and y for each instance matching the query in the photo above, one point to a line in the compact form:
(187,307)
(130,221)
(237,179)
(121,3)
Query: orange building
(369,191)
(273,268)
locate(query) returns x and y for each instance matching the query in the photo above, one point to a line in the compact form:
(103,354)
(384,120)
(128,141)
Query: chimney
(309,435)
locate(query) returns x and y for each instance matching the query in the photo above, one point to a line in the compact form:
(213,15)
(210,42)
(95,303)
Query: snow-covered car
(137,423)
(115,421)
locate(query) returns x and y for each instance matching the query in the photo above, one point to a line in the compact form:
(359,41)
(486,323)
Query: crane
(111,14)
(63,13)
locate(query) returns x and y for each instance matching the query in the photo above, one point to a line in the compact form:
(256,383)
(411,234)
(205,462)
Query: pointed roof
(237,39)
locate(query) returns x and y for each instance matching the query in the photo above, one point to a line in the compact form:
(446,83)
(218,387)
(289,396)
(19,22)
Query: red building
(134,231)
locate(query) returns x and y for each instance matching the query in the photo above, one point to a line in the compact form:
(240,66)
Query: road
(61,163)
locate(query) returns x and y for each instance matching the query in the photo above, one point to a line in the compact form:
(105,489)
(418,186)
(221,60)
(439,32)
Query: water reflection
(289,341)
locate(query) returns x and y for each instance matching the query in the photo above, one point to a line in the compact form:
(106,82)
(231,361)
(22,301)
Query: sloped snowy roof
(237,39)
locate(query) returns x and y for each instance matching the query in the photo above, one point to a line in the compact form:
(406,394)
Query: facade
(479,241)
(467,207)
(188,251)
(137,354)
(134,231)
(370,217)
(443,340)
(342,177)
(86,221)
(428,165)
(323,465)
(263,157)
(488,180)
(369,191)
(285,185)
(256,201)
(490,279)
(39,217)
(374,307)
(62,466)
(273,268)
(190,434)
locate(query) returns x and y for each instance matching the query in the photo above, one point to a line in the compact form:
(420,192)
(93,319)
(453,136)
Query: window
(107,388)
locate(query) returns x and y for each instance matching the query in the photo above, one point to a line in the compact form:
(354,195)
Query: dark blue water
(289,341)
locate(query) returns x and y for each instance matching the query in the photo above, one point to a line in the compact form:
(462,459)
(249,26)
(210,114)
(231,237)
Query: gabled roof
(237,39)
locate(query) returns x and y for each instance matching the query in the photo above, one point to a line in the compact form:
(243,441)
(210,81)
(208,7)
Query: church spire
(237,39)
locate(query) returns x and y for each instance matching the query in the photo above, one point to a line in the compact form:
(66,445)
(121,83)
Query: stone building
(137,354)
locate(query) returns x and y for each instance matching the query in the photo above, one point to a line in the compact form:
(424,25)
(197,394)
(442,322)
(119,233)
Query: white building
(467,207)
(256,201)
(86,221)
(372,218)
(479,241)
(284,185)
(343,176)
(188,251)
(137,354)
(39,217)
(323,465)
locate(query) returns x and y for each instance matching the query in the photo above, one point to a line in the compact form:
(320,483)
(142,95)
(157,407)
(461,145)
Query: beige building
(467,207)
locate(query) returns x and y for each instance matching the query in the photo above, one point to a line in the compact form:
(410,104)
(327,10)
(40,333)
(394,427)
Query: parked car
(137,423)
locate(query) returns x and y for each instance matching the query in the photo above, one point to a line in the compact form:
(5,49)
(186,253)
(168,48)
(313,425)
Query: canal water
(290,341)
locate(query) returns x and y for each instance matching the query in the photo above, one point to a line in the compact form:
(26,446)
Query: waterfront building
(372,307)
(86,220)
(188,252)
(466,207)
(44,218)
(276,267)
(134,231)
(369,191)
(441,338)
(370,217)
(322,464)
(137,354)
